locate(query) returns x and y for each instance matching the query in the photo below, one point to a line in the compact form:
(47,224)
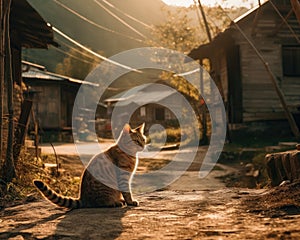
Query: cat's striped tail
(56,198)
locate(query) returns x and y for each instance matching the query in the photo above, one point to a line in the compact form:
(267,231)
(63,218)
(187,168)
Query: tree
(177,33)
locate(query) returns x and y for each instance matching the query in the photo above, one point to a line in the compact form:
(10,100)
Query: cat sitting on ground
(106,181)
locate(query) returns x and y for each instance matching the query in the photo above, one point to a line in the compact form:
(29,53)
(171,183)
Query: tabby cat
(106,181)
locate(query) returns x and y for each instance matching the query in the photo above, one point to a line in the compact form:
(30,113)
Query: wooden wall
(260,101)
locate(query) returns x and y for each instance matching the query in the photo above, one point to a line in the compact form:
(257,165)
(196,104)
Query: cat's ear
(126,128)
(141,128)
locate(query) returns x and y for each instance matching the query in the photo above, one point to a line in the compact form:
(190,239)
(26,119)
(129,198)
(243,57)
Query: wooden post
(2,56)
(9,167)
(21,128)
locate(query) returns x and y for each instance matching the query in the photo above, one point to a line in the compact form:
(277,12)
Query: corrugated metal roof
(143,95)
(123,96)
(41,75)
(34,71)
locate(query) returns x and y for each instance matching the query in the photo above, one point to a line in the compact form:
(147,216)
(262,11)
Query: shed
(242,78)
(149,102)
(53,98)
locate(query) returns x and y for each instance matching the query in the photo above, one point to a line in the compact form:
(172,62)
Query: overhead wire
(127,15)
(75,49)
(94,23)
(120,19)
(92,52)
(73,56)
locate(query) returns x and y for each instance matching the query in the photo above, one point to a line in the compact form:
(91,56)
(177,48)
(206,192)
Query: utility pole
(204,117)
(205,21)
(218,82)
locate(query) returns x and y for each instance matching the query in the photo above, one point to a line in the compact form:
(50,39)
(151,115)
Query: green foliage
(177,33)
(174,135)
(77,64)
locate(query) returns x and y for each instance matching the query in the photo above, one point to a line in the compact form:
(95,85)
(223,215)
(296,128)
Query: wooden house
(240,74)
(53,97)
(27,29)
(149,103)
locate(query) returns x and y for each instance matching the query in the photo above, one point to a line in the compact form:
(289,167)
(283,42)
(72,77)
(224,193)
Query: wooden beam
(255,21)
(21,128)
(9,166)
(285,21)
(282,22)
(296,8)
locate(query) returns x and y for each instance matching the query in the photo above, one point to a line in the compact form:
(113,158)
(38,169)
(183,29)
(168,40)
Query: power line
(93,23)
(120,19)
(74,49)
(27,56)
(73,56)
(92,52)
(127,15)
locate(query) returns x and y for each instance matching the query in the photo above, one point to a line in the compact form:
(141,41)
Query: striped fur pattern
(56,198)
(106,181)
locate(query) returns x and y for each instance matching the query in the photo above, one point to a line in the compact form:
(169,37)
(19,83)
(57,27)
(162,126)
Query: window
(291,61)
(160,114)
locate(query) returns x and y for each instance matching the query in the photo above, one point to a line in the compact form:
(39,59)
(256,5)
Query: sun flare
(224,3)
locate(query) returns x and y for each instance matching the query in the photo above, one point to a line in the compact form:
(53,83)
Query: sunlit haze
(223,3)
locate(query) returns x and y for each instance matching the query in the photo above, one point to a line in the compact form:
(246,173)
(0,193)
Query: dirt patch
(276,202)
(190,208)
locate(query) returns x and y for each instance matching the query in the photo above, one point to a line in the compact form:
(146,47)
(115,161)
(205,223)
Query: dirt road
(190,208)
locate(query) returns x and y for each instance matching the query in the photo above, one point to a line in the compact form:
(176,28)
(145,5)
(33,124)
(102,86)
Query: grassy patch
(66,182)
(149,164)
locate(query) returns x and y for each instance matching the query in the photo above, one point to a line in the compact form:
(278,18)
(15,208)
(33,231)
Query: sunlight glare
(223,3)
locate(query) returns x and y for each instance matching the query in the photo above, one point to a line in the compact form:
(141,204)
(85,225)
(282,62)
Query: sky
(223,3)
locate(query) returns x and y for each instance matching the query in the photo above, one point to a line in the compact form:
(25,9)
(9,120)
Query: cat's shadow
(92,223)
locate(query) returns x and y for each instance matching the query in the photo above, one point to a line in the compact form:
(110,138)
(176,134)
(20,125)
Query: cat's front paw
(133,203)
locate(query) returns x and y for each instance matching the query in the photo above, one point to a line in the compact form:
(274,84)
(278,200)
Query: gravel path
(190,208)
